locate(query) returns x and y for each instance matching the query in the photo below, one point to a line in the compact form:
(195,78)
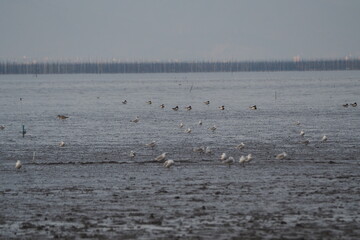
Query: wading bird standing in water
(136,120)
(18,164)
(281,156)
(188,108)
(249,157)
(62,117)
(151,144)
(161,157)
(132,154)
(240,146)
(302,133)
(188,130)
(242,160)
(229,161)
(168,163)
(213,128)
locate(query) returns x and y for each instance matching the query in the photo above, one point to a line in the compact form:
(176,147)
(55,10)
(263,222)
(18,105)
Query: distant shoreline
(104,67)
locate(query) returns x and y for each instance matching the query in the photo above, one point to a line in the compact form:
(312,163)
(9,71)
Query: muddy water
(91,188)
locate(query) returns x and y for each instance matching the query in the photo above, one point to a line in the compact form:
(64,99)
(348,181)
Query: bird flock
(224,158)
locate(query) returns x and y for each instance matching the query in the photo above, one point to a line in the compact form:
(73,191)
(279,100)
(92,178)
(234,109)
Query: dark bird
(62,117)
(188,108)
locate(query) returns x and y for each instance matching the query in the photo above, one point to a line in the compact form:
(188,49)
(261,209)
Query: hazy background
(130,30)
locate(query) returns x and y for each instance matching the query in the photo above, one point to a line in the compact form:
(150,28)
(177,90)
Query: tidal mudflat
(92,188)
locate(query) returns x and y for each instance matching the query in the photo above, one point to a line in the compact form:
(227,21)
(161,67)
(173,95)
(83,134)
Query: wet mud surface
(91,188)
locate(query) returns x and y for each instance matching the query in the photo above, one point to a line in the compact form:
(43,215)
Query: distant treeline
(176,67)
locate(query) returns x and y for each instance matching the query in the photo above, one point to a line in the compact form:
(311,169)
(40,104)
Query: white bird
(324,138)
(282,155)
(2,127)
(136,120)
(168,163)
(229,161)
(62,144)
(302,133)
(200,122)
(223,157)
(161,157)
(181,125)
(240,146)
(208,150)
(242,160)
(18,164)
(188,130)
(132,154)
(249,157)
(213,128)
(151,144)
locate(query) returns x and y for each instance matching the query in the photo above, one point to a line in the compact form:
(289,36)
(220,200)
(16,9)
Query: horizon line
(114,60)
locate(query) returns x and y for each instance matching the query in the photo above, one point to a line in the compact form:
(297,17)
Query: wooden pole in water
(22,120)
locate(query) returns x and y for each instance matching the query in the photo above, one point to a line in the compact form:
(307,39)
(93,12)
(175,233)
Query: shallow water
(92,189)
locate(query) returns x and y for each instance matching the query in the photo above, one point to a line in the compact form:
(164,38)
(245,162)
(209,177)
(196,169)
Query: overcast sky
(179,30)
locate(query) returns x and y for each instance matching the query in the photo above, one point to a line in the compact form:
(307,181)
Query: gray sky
(179,30)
